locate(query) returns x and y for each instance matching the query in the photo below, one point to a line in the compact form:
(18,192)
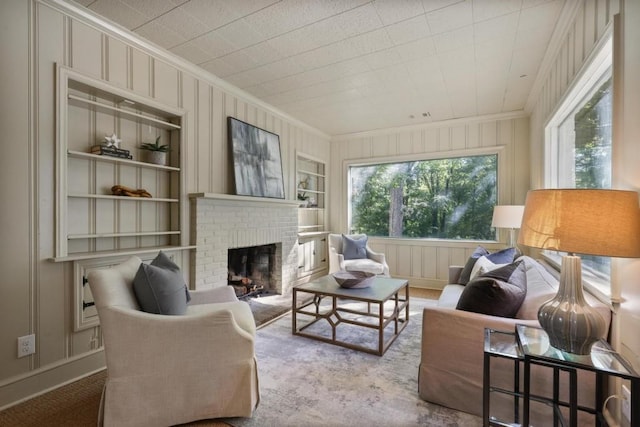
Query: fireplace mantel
(248,199)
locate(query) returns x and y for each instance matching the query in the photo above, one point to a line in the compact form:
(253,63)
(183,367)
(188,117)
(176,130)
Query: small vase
(157,157)
(570,322)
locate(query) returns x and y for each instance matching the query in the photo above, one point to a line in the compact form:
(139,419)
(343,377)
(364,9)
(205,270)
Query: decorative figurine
(112,141)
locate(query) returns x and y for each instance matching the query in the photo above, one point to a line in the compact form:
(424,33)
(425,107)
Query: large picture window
(451,198)
(579,141)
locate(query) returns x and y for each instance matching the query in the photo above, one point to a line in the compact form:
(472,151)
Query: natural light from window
(450,198)
(578,143)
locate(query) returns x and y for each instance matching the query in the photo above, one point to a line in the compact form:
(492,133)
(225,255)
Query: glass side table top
(501,343)
(535,342)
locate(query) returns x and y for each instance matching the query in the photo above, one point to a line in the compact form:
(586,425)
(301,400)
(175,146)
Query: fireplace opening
(251,270)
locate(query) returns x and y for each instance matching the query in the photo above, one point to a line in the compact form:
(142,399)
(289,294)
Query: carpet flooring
(302,381)
(305,382)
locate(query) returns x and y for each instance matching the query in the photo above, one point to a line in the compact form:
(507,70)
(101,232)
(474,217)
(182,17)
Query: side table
(603,361)
(504,345)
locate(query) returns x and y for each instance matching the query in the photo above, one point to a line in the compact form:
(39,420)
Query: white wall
(36,294)
(627,175)
(425,262)
(588,24)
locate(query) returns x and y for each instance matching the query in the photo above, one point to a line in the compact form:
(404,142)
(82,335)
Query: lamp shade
(507,216)
(583,221)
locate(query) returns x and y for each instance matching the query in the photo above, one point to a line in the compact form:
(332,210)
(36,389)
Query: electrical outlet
(626,403)
(26,345)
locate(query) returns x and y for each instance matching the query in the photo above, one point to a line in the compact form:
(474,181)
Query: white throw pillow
(483,265)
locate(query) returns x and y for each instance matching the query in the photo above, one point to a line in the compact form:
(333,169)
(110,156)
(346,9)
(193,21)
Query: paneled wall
(36,294)
(425,261)
(589,21)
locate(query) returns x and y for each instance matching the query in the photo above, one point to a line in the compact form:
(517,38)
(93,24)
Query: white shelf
(97,157)
(123,198)
(133,234)
(120,252)
(306,172)
(301,190)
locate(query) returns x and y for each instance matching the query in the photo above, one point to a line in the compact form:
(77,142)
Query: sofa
(451,373)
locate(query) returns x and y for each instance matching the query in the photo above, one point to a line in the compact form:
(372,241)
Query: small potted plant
(157,154)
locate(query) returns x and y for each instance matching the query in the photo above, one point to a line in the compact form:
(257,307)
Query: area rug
(304,382)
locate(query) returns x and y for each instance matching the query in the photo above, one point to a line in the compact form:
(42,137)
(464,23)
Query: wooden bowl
(353,279)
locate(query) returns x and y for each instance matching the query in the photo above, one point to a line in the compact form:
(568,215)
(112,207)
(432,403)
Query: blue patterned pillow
(354,248)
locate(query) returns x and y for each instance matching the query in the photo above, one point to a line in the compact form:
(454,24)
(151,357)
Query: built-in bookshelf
(312,233)
(92,220)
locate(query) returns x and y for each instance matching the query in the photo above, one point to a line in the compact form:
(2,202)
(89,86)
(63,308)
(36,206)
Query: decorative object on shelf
(508,216)
(257,163)
(156,153)
(304,199)
(591,222)
(304,184)
(121,190)
(353,279)
(112,141)
(103,150)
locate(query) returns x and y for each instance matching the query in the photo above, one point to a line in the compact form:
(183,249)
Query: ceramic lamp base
(570,322)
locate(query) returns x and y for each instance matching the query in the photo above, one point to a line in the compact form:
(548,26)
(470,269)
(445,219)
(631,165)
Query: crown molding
(443,123)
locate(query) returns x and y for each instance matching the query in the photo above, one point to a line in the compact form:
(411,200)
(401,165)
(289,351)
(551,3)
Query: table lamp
(507,216)
(590,222)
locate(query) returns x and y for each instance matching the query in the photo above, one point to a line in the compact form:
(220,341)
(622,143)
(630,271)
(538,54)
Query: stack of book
(104,150)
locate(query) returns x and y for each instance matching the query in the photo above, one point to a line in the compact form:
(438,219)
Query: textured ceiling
(345,66)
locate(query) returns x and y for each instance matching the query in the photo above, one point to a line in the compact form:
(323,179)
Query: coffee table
(388,319)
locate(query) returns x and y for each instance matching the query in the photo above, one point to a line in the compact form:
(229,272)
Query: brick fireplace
(220,222)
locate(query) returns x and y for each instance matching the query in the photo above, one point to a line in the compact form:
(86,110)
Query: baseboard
(35,383)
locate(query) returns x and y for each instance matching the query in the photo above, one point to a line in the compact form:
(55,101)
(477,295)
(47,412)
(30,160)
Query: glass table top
(501,343)
(535,343)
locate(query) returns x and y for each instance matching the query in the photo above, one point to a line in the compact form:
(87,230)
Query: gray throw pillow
(159,287)
(354,248)
(503,256)
(498,292)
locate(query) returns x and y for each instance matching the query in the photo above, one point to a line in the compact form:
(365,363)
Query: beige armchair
(375,262)
(167,370)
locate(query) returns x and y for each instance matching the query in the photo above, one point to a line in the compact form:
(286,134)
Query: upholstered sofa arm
(214,295)
(379,258)
(141,342)
(376,256)
(454,273)
(460,334)
(336,261)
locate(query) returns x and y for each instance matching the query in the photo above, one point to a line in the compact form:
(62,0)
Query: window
(578,141)
(450,198)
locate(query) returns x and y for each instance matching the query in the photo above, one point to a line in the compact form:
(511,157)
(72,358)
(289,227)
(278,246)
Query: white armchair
(375,262)
(167,370)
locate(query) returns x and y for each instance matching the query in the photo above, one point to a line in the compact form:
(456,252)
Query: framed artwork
(257,163)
